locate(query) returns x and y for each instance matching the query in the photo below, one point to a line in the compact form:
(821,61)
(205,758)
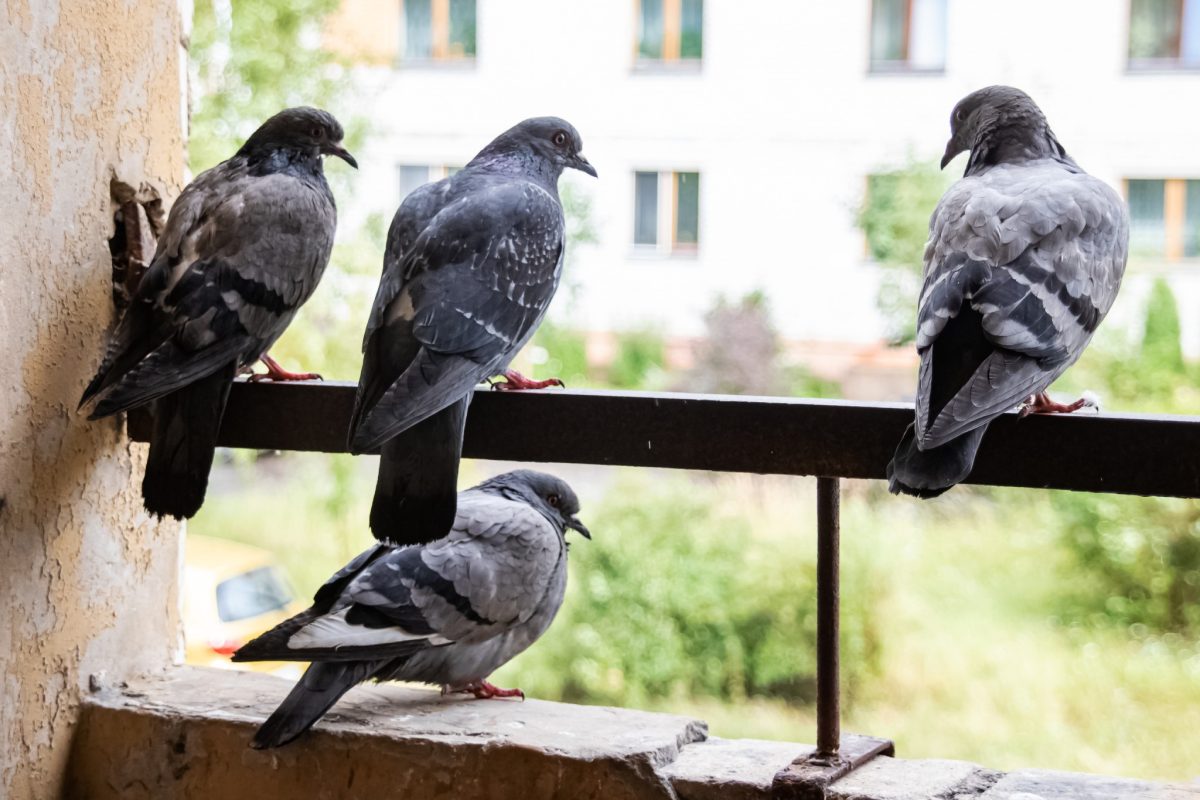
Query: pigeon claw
(486,691)
(1041,403)
(516,382)
(277,373)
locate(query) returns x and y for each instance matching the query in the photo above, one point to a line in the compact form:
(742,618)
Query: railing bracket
(810,776)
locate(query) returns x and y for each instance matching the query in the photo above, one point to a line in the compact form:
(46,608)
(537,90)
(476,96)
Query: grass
(973,663)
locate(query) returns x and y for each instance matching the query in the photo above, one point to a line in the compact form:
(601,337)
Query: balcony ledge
(184,734)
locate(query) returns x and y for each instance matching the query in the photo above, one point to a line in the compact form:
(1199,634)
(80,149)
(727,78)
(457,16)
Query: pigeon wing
(1022,264)
(472,288)
(240,253)
(486,577)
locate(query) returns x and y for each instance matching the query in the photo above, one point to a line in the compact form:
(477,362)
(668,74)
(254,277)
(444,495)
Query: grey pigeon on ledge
(471,265)
(243,248)
(1024,260)
(447,613)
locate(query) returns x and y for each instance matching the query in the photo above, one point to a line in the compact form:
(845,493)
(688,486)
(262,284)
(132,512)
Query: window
(671,225)
(1164,218)
(670,31)
(908,35)
(414,176)
(438,31)
(1164,34)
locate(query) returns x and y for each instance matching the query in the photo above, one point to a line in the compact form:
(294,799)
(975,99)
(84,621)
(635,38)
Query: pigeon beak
(953,148)
(583,165)
(340,152)
(574,524)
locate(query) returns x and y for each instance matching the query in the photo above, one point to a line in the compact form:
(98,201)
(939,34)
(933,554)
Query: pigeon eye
(560,138)
(317,132)
(959,115)
(553,500)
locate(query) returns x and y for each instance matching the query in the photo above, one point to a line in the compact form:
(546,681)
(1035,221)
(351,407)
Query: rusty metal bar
(1121,453)
(829,722)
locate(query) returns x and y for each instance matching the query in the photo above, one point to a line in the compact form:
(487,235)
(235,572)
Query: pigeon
(243,248)
(471,265)
(1024,260)
(447,613)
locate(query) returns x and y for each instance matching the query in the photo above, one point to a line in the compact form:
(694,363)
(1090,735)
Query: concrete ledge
(185,735)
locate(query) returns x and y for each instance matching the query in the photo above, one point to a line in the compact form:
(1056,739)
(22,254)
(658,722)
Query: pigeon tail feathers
(929,473)
(416,495)
(182,445)
(322,685)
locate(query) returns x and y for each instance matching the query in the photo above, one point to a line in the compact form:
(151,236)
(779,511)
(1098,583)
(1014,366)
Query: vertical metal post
(829,724)
(810,776)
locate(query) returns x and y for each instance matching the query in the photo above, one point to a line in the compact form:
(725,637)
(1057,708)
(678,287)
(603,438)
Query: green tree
(1161,360)
(894,216)
(248,61)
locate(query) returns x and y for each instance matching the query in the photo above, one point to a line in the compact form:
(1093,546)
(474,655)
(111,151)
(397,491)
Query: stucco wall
(90,91)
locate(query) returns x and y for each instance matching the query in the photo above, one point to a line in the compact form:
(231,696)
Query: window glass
(1189,38)
(691,37)
(645,208)
(650,33)
(927,37)
(687,209)
(1154,29)
(418,29)
(887,31)
(1191,221)
(462,28)
(252,593)
(1147,224)
(412,176)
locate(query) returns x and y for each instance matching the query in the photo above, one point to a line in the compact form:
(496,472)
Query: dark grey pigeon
(1024,259)
(471,266)
(447,613)
(244,247)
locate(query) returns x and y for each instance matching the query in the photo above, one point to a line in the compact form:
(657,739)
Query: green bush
(640,356)
(677,597)
(566,355)
(1137,559)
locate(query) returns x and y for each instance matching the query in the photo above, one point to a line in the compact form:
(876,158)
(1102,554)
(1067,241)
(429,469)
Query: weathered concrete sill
(184,735)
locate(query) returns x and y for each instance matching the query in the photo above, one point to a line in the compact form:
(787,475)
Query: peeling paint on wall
(92,92)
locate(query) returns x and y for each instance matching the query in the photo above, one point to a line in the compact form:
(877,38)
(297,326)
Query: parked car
(231,593)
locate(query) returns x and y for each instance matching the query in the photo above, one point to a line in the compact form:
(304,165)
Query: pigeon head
(303,129)
(551,496)
(999,124)
(548,142)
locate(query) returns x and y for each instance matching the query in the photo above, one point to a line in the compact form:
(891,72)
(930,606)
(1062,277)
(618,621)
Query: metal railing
(1121,453)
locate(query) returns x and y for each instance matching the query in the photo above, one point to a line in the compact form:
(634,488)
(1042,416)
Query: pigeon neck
(1015,144)
(302,162)
(519,165)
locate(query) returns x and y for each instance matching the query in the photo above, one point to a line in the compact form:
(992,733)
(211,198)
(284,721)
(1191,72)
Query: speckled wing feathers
(1037,250)
(457,304)
(239,254)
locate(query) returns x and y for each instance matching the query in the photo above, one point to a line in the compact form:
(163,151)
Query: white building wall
(784,122)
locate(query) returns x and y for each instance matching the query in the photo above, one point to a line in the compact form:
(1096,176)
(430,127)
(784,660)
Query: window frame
(441,55)
(671,59)
(905,65)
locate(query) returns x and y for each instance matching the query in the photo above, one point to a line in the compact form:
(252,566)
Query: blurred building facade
(734,141)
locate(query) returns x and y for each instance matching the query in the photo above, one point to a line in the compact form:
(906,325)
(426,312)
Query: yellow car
(232,592)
